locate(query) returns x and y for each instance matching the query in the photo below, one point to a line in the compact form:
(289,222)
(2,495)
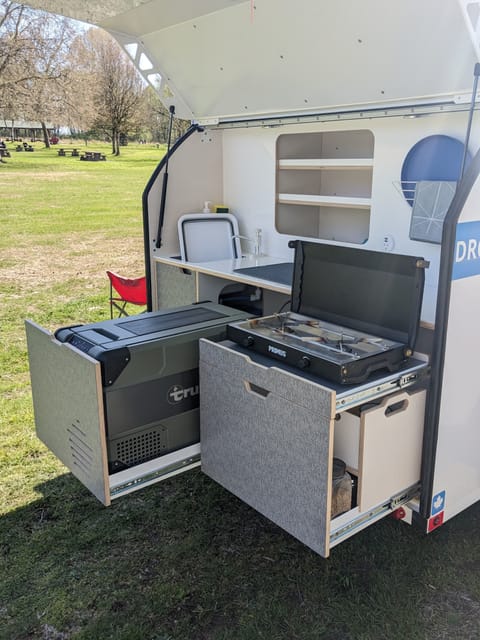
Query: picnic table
(93,156)
(24,147)
(65,152)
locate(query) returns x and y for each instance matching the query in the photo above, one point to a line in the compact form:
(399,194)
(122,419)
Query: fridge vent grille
(80,450)
(142,447)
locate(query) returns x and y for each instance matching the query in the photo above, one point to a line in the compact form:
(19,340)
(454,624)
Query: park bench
(24,147)
(92,156)
(65,152)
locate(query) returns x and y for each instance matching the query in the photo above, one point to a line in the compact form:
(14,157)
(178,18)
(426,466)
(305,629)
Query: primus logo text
(276,351)
(177,393)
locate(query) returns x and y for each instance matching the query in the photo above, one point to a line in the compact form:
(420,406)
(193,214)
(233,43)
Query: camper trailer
(312,253)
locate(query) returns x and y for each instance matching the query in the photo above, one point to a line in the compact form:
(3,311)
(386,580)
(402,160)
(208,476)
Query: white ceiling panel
(228,58)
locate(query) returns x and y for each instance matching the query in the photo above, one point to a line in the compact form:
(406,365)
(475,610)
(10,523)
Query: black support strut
(157,241)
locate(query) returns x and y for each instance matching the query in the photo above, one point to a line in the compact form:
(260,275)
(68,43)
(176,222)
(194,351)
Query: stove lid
(378,293)
(224,60)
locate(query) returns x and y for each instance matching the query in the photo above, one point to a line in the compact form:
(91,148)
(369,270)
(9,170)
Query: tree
(33,70)
(49,94)
(15,46)
(158,118)
(116,89)
(52,71)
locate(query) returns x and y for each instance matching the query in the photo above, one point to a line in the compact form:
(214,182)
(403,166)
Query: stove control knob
(304,362)
(248,341)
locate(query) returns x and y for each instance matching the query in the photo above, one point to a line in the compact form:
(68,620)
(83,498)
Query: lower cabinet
(270,437)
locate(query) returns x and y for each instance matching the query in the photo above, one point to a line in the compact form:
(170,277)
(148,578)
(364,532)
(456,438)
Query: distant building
(16,129)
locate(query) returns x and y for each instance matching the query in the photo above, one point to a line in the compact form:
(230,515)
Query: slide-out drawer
(381,444)
(269,436)
(266,437)
(69,409)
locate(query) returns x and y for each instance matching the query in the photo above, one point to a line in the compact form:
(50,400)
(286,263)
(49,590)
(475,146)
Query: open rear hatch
(224,60)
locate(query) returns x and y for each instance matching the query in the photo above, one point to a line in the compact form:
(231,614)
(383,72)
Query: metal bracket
(376,513)
(176,467)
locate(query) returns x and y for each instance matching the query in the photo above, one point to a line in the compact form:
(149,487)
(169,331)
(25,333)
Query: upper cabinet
(324,185)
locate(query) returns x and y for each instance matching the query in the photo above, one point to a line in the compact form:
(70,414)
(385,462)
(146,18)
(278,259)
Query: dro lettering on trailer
(467,250)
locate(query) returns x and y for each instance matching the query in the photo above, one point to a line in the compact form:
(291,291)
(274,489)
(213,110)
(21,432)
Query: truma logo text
(177,393)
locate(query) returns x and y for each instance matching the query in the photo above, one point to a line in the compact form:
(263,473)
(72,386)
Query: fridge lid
(370,291)
(230,60)
(120,333)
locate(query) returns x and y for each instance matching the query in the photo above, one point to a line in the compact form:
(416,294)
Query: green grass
(184,559)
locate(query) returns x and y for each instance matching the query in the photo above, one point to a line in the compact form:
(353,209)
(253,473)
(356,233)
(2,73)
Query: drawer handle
(396,407)
(256,390)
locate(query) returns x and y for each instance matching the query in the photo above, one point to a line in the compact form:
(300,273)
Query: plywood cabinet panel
(390,447)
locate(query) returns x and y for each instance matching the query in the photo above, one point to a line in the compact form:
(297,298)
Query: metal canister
(341,488)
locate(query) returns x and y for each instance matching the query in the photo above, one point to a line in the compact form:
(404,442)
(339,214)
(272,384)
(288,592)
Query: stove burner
(310,334)
(316,337)
(335,352)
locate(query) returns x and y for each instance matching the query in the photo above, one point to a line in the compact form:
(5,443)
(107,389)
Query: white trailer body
(328,122)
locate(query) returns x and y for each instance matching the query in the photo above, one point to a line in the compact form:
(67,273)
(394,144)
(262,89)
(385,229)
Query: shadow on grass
(187,560)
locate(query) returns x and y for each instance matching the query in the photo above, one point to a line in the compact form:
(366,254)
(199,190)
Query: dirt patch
(83,259)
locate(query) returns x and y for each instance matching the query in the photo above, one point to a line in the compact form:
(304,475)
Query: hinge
(463,98)
(205,122)
(422,264)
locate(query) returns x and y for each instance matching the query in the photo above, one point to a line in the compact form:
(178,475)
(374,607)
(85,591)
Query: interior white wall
(249,166)
(195,174)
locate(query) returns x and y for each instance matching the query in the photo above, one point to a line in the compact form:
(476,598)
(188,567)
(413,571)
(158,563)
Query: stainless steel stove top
(316,337)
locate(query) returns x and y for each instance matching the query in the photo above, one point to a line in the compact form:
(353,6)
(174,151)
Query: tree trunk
(46,139)
(116,142)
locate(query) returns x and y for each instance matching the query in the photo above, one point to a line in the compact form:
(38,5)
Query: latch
(422,264)
(407,380)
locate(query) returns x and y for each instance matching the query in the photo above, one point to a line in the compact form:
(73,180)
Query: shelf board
(315,164)
(331,201)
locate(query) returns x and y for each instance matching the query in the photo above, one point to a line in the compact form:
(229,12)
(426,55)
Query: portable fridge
(117,401)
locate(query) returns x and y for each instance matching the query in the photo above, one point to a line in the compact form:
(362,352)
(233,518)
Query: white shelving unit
(332,201)
(324,183)
(315,164)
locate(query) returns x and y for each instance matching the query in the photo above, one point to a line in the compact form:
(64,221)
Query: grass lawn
(183,560)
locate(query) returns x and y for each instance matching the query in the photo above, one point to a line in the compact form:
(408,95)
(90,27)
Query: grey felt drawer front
(68,406)
(292,387)
(266,439)
(174,287)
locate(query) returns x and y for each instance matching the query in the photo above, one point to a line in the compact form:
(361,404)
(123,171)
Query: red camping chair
(125,291)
